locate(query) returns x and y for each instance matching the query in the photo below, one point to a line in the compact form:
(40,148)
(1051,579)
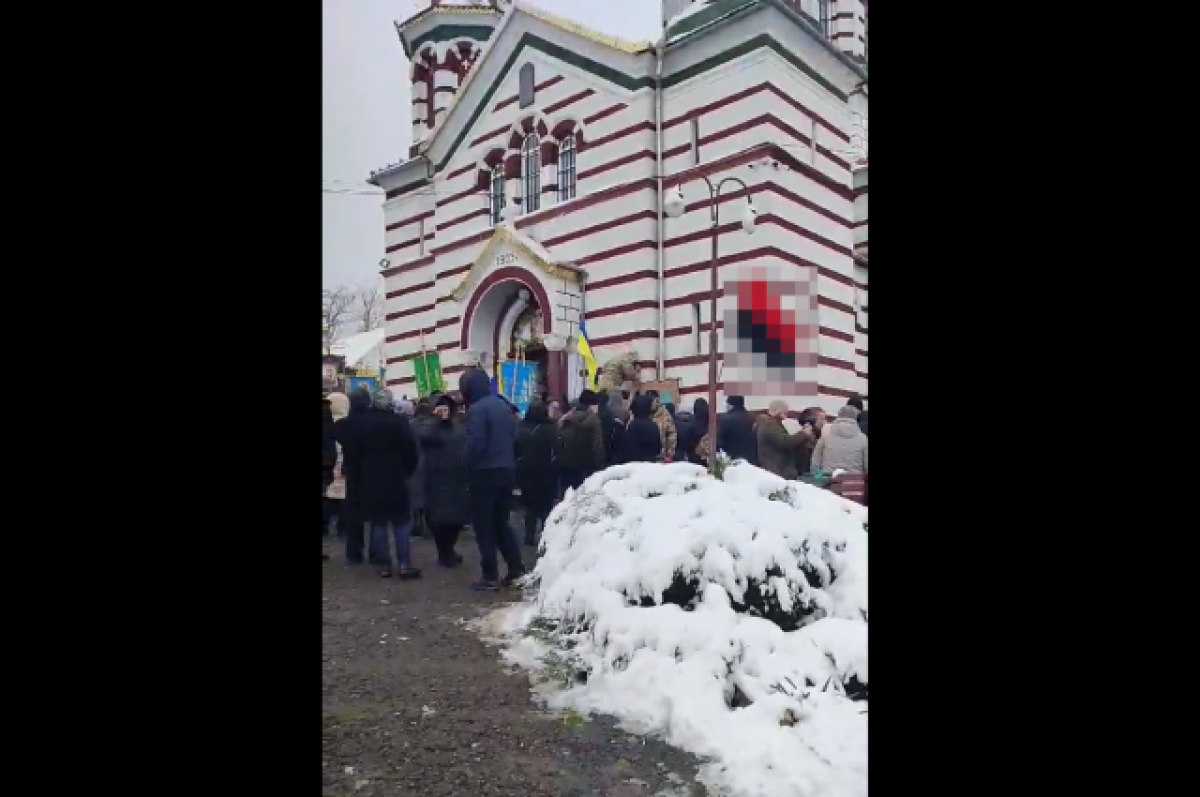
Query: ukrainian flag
(585,351)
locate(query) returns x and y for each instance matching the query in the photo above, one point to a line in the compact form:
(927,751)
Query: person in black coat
(536,477)
(692,431)
(443,442)
(735,432)
(349,433)
(608,425)
(328,459)
(642,441)
(386,459)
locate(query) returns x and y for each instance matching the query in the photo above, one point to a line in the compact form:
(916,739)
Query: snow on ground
(729,617)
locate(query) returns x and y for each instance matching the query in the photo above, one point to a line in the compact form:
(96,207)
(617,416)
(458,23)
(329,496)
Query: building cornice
(738,9)
(397,175)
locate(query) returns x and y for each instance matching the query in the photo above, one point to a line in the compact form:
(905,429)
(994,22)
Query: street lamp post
(674,206)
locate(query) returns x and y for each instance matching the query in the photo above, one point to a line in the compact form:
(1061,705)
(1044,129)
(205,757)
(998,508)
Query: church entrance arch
(507,317)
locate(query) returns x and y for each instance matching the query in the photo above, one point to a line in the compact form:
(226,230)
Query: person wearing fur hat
(387,459)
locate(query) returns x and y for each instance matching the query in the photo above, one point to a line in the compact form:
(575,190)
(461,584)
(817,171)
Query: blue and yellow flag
(585,351)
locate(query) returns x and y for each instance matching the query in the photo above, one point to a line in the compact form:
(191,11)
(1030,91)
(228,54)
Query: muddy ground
(415,704)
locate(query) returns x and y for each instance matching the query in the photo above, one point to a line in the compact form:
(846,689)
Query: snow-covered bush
(729,615)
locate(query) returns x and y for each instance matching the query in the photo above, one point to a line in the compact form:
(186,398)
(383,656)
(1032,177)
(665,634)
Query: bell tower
(442,42)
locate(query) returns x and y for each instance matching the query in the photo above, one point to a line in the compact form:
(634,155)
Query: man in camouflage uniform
(666,427)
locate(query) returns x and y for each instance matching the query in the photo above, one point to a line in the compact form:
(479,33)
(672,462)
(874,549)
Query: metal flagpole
(425,364)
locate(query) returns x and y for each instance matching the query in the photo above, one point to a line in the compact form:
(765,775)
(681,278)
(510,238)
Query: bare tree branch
(369,307)
(337,312)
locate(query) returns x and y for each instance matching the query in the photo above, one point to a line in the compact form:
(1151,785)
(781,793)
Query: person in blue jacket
(491,437)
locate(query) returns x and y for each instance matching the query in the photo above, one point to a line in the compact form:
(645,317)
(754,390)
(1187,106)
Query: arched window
(525,87)
(531,168)
(566,168)
(496,196)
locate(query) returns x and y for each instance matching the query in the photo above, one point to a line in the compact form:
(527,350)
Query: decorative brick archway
(522,278)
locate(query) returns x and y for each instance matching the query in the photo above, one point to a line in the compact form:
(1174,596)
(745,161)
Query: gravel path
(415,704)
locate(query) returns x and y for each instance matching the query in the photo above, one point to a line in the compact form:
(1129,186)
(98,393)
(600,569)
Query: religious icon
(528,328)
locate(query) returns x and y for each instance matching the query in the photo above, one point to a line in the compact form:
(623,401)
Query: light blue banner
(355,382)
(517,383)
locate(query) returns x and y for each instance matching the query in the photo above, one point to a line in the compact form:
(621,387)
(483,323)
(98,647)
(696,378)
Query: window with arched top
(525,89)
(531,168)
(496,196)
(566,168)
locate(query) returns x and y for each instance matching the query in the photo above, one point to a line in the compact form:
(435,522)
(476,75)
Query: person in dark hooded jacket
(491,432)
(536,436)
(328,443)
(387,459)
(735,432)
(349,433)
(692,429)
(642,441)
(610,428)
(580,442)
(447,502)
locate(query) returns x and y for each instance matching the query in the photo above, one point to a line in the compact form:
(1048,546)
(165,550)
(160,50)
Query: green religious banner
(427,368)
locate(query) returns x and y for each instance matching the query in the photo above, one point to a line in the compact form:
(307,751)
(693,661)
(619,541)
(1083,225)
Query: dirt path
(415,704)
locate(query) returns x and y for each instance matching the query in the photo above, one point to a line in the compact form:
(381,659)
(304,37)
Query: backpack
(574,445)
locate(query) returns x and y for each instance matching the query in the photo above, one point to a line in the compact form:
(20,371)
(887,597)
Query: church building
(560,175)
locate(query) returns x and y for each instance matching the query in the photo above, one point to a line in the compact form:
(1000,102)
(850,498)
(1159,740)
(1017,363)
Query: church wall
(806,218)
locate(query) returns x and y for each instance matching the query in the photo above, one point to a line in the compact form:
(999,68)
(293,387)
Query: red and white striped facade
(759,95)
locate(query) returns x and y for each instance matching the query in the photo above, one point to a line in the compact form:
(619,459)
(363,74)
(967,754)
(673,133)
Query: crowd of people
(392,470)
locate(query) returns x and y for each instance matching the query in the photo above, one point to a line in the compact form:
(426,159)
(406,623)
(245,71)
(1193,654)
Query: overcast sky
(366,112)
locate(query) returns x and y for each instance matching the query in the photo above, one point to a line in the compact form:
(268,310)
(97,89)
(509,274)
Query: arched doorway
(507,319)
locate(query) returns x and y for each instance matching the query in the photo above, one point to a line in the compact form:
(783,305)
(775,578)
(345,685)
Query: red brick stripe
(426,215)
(545,84)
(409,266)
(609,111)
(563,103)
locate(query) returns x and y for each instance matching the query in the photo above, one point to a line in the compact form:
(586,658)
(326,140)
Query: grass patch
(559,664)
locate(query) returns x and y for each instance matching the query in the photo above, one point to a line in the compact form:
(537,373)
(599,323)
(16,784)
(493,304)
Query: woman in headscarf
(536,478)
(443,442)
